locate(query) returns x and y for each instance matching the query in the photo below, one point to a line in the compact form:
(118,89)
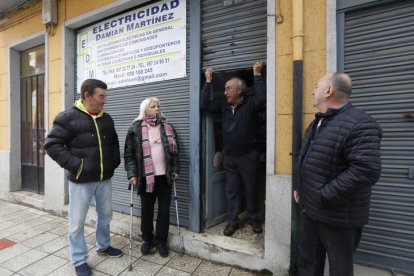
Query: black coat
(133,155)
(339,166)
(239,129)
(77,138)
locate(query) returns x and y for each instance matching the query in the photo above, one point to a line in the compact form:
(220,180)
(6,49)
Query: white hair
(143,108)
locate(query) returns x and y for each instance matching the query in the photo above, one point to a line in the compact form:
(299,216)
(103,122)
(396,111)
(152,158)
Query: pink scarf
(146,148)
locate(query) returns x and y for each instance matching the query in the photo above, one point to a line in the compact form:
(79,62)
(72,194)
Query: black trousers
(319,239)
(242,171)
(162,192)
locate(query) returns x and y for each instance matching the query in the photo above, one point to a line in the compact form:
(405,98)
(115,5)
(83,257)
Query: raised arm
(259,86)
(205,100)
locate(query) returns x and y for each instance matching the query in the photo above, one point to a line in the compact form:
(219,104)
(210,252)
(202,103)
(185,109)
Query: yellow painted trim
(298,35)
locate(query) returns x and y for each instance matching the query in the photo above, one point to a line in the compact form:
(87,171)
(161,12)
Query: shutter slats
(232,36)
(378,55)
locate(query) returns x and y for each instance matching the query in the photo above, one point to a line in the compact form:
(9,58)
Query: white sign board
(141,46)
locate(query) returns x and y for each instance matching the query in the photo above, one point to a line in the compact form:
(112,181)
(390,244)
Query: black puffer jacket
(339,166)
(78,140)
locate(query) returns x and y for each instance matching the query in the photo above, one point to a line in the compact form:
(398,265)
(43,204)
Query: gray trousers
(242,170)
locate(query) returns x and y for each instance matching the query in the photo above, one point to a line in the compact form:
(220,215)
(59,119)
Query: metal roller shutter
(379,56)
(123,106)
(233,36)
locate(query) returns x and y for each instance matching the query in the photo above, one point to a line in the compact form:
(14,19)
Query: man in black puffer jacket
(83,141)
(339,163)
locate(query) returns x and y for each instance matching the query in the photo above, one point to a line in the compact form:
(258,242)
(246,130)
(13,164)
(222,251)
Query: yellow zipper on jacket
(79,104)
(100,148)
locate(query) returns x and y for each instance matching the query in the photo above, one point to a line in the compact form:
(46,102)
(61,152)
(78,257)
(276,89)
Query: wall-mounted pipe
(297,6)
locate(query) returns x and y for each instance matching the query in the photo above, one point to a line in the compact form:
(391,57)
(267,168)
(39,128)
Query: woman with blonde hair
(151,162)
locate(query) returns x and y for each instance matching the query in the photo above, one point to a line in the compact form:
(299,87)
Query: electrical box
(49,11)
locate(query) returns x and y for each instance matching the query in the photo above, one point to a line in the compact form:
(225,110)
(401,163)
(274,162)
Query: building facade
(160,48)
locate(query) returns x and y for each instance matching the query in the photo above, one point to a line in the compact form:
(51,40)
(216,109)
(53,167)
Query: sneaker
(111,252)
(146,247)
(256,226)
(163,250)
(83,270)
(230,229)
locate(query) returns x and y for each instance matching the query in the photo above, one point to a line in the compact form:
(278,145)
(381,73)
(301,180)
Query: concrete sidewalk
(34,242)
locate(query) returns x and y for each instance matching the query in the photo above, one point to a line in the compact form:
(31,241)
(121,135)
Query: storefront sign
(141,46)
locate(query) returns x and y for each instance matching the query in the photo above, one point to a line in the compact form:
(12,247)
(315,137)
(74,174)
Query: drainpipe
(297,6)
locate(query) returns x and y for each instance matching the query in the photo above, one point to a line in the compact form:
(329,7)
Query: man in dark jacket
(83,141)
(339,163)
(240,153)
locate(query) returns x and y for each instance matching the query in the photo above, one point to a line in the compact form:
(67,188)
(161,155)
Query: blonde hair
(143,108)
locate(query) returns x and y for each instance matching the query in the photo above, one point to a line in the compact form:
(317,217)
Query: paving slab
(26,234)
(5,271)
(12,252)
(41,248)
(156,258)
(168,271)
(65,270)
(184,263)
(54,245)
(5,233)
(114,266)
(40,239)
(143,267)
(44,266)
(212,269)
(6,224)
(23,260)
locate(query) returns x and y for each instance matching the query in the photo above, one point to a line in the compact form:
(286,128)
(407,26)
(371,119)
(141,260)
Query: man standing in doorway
(240,152)
(83,141)
(339,164)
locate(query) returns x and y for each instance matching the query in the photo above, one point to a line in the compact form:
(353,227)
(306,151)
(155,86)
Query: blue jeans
(80,196)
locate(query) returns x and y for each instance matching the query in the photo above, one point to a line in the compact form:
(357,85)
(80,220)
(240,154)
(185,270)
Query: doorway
(32,81)
(214,197)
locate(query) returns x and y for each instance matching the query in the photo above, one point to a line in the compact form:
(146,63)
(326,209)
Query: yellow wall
(22,24)
(67,9)
(313,68)
(18,25)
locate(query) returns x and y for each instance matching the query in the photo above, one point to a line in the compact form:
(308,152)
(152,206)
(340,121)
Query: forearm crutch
(130,228)
(178,221)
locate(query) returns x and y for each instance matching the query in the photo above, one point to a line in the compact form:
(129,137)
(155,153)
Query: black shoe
(83,270)
(146,247)
(111,252)
(256,226)
(163,250)
(230,229)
